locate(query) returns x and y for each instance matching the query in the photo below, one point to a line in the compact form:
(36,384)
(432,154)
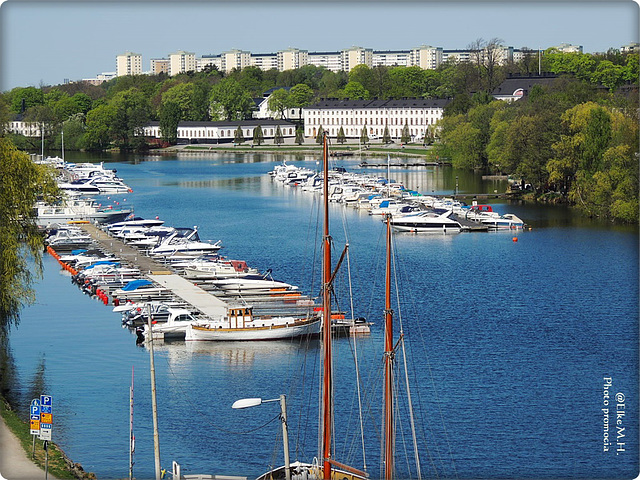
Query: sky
(46,42)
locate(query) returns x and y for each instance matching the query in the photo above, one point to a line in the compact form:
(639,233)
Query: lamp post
(254,402)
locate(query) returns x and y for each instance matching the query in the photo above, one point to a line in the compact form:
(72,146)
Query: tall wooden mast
(327,385)
(388,365)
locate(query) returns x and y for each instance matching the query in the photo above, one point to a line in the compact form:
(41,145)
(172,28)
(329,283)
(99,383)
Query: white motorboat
(184,241)
(134,222)
(174,327)
(508,221)
(68,238)
(251,285)
(387,206)
(77,210)
(426,222)
(216,268)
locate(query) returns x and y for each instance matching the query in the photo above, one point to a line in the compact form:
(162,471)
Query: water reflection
(232,354)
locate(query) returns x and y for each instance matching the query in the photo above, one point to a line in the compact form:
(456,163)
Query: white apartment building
(291,59)
(222,132)
(329,60)
(374,115)
(207,61)
(128,63)
(425,57)
(235,59)
(390,58)
(181,62)
(264,61)
(568,48)
(354,56)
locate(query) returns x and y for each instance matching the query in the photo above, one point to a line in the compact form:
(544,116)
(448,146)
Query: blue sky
(47,41)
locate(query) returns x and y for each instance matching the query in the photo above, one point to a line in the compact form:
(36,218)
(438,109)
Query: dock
(208,303)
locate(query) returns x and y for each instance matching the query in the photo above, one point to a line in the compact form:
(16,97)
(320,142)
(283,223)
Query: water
(508,342)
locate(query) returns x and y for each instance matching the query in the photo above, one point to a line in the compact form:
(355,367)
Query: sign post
(46,425)
(34,416)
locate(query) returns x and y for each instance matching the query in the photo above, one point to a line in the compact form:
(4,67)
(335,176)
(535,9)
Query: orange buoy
(515,239)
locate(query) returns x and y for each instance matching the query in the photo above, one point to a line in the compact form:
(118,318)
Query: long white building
(374,115)
(223,131)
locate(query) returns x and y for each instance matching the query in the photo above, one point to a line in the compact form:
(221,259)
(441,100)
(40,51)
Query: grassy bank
(60,466)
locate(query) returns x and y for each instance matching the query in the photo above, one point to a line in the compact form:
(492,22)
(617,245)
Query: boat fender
(116,302)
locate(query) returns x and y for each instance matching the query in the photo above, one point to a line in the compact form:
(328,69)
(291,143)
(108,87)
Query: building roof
(375,103)
(524,83)
(263,122)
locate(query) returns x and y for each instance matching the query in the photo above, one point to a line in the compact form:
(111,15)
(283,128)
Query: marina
(484,352)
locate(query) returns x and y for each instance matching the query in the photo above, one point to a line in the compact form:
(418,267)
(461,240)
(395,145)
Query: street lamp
(254,402)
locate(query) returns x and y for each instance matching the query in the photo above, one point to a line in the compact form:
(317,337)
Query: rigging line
(195,408)
(355,357)
(404,360)
(428,420)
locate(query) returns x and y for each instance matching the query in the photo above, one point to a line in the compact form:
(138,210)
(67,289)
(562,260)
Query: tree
(23,98)
(355,91)
(364,138)
(258,136)
(132,112)
(278,139)
(406,137)
(233,98)
(97,136)
(23,183)
(341,138)
(386,136)
(300,96)
(320,135)
(170,115)
(278,102)
(299,136)
(239,135)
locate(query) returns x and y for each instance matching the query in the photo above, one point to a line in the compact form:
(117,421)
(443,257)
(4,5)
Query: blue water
(508,343)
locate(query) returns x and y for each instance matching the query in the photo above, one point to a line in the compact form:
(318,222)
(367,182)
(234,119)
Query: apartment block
(181,61)
(128,63)
(160,65)
(235,59)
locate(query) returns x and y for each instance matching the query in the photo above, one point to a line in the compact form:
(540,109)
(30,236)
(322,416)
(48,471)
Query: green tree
(239,135)
(98,133)
(132,112)
(341,138)
(23,183)
(364,138)
(405,137)
(27,96)
(278,139)
(278,102)
(83,102)
(170,115)
(386,136)
(355,91)
(320,135)
(258,136)
(299,136)
(300,96)
(234,100)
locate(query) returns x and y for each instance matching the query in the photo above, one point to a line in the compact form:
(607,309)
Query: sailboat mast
(388,364)
(327,385)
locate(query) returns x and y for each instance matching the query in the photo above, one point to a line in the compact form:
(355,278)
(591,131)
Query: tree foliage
(23,183)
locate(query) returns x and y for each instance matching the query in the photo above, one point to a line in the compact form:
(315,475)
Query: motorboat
(184,241)
(426,222)
(387,206)
(134,222)
(215,267)
(68,238)
(75,209)
(174,327)
(508,221)
(252,285)
(138,289)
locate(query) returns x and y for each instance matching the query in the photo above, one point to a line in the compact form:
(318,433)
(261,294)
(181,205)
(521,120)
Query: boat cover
(133,284)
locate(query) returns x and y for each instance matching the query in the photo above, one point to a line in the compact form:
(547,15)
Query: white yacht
(426,222)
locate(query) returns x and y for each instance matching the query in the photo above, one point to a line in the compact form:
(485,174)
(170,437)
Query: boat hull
(272,332)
